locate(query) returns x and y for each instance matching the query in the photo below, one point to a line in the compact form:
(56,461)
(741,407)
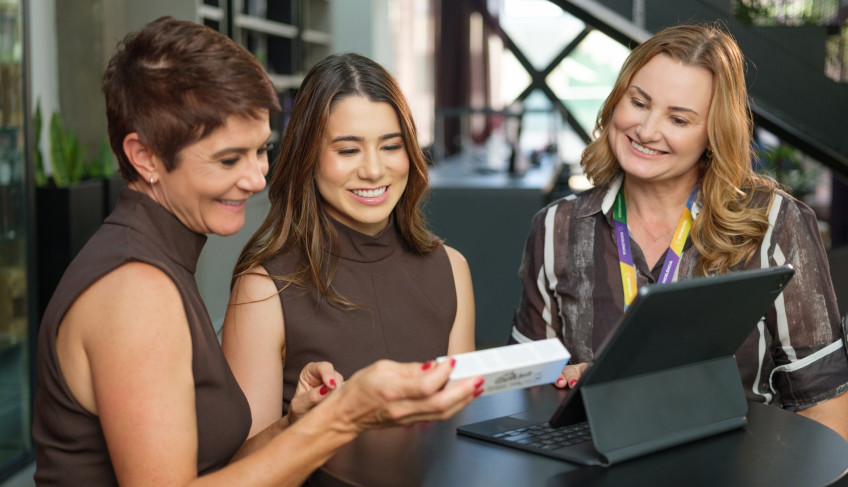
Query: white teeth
(643,149)
(369,193)
(231,202)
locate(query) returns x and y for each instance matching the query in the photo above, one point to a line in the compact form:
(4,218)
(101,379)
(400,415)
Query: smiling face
(658,130)
(364,168)
(214,177)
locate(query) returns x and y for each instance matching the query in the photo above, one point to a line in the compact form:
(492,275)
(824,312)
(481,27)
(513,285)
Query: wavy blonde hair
(734,214)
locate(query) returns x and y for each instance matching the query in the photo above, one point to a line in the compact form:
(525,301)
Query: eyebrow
(358,138)
(672,108)
(236,150)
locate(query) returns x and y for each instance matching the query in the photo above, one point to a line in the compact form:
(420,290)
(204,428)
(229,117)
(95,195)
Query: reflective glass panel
(14,360)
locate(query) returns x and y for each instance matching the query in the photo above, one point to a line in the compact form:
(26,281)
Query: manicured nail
(323,390)
(478,392)
(572,382)
(560,382)
(427,365)
(453,362)
(478,383)
(332,382)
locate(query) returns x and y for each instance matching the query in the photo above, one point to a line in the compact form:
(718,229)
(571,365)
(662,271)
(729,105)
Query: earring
(151,183)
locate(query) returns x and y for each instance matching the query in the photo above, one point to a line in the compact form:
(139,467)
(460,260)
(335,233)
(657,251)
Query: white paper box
(513,366)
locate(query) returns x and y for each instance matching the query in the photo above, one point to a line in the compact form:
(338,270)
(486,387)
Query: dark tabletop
(776,448)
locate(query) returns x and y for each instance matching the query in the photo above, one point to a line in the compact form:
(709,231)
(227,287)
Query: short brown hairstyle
(174,82)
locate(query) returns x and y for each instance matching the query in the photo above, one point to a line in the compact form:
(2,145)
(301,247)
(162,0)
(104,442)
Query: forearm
(832,413)
(288,456)
(259,440)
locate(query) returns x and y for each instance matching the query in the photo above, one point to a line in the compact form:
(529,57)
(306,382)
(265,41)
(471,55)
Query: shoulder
(280,263)
(569,208)
(255,284)
(784,211)
(789,205)
(137,278)
(134,303)
(455,257)
(136,285)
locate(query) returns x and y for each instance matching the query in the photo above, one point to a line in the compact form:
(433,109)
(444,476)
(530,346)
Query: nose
(648,129)
(253,177)
(372,167)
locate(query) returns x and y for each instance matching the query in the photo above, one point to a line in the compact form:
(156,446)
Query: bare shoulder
(254,315)
(456,258)
(131,317)
(130,293)
(252,286)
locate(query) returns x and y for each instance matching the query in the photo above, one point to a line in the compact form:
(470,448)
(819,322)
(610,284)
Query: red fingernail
(560,381)
(453,362)
(332,382)
(427,365)
(323,390)
(478,383)
(572,382)
(478,392)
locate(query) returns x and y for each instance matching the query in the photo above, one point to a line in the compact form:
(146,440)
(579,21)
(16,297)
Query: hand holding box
(512,366)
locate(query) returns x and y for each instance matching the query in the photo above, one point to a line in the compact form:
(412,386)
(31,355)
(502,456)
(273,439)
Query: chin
(225,231)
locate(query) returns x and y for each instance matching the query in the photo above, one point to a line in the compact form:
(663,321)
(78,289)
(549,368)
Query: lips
(370,193)
(232,202)
(643,149)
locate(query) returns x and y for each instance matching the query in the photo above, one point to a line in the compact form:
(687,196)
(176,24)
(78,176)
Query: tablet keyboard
(546,437)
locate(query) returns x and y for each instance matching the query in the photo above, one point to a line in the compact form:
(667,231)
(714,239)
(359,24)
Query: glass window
(14,358)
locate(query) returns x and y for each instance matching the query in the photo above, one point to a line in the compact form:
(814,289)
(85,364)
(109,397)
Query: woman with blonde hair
(671,165)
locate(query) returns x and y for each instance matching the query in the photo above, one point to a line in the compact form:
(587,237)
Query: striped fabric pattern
(795,358)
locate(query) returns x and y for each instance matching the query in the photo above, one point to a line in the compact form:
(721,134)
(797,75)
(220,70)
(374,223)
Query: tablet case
(663,377)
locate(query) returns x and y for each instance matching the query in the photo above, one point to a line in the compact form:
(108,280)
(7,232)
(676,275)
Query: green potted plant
(69,203)
(783,163)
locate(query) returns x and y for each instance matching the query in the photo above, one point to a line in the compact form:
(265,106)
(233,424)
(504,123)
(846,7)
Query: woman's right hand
(390,393)
(316,380)
(570,375)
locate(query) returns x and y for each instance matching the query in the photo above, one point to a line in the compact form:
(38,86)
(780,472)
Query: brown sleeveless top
(71,449)
(408,306)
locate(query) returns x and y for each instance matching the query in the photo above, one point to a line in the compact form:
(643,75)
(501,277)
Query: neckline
(179,243)
(359,247)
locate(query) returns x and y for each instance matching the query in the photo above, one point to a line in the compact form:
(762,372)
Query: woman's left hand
(316,381)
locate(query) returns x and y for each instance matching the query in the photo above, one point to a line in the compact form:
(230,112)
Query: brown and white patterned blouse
(795,358)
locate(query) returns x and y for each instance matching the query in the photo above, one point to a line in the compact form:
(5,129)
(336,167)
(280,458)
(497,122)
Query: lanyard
(625,258)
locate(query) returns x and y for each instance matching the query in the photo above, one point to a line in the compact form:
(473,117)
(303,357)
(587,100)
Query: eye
(348,151)
(265,148)
(637,103)
(230,161)
(680,122)
(393,147)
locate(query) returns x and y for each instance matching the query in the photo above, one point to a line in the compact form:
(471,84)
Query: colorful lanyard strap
(625,258)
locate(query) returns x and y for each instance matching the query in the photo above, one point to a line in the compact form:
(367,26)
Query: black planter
(65,219)
(111,190)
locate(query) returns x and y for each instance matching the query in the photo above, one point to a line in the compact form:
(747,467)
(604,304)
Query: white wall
(43,64)
(362,26)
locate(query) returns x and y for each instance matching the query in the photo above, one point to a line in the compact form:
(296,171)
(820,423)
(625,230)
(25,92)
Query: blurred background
(504,94)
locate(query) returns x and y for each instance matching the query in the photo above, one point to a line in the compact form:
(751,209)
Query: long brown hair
(298,221)
(733,218)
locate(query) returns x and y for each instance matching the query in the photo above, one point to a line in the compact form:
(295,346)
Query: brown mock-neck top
(71,449)
(407,306)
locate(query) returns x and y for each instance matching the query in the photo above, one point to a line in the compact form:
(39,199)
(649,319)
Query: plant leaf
(58,161)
